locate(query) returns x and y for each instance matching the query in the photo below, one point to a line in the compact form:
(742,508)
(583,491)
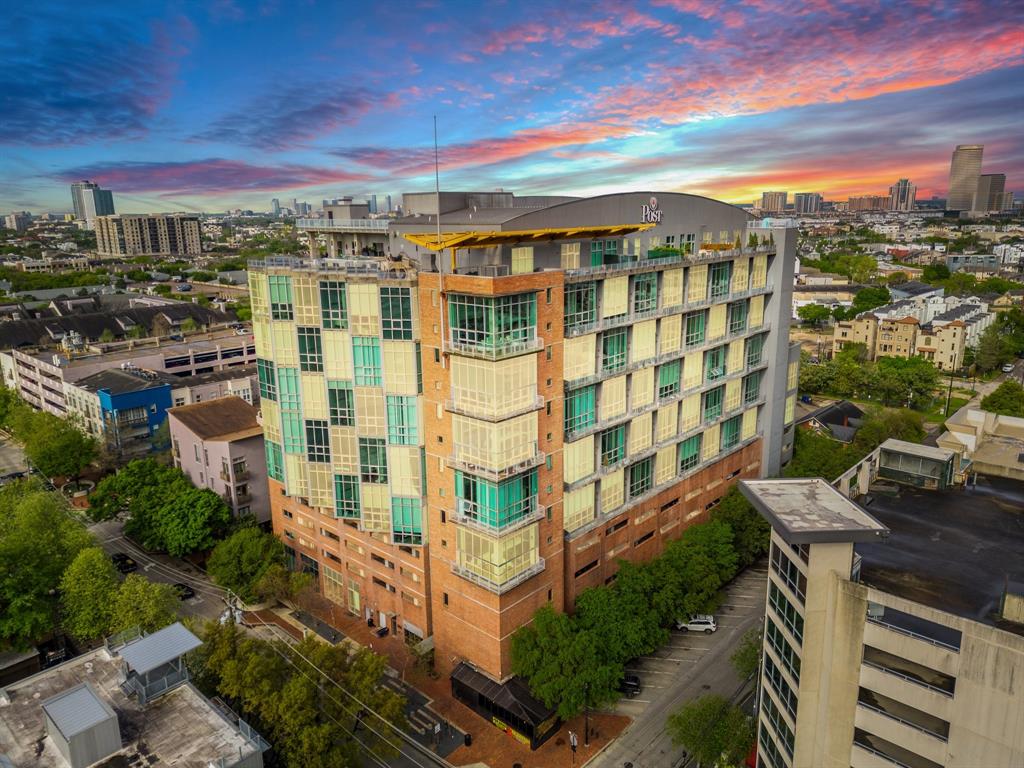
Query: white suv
(700,623)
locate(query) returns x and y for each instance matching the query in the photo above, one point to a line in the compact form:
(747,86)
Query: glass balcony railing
(494,521)
(343,225)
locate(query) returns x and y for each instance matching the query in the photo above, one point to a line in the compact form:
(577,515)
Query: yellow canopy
(516,236)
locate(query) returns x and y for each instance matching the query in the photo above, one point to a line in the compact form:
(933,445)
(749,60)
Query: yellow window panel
(644,341)
(613,397)
(690,413)
(698,282)
(399,364)
(578,459)
(734,360)
(375,503)
(314,396)
(740,274)
(615,296)
(295,473)
(258,293)
(665,465)
(716,321)
(749,428)
(672,287)
(371,414)
(337,355)
(261,332)
(497,560)
(759,271)
(671,333)
(793,375)
(641,388)
(790,409)
(495,446)
(732,394)
(755,315)
(640,433)
(270,416)
(570,255)
(363,309)
(286,351)
(580,356)
(492,390)
(321,486)
(612,490)
(693,370)
(522,260)
(404,470)
(668,422)
(345,450)
(305,300)
(578,507)
(711,442)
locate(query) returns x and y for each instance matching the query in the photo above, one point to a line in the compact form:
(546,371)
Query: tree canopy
(88,589)
(142,603)
(54,446)
(240,561)
(713,731)
(1006,400)
(891,380)
(814,314)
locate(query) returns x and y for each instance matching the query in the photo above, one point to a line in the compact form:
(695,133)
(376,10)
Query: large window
(406,520)
(403,425)
(318,441)
(788,615)
(604,252)
(366,361)
(645,292)
(275,461)
(738,317)
(695,328)
(346,496)
(719,277)
(267,379)
(493,323)
(395,313)
(778,723)
(280,297)
(613,350)
(311,351)
(714,363)
(755,346)
(782,647)
(780,686)
(713,404)
(373,460)
(580,411)
(613,445)
(641,477)
(689,453)
(496,504)
(668,379)
(788,573)
(752,387)
(731,432)
(333,310)
(341,404)
(580,304)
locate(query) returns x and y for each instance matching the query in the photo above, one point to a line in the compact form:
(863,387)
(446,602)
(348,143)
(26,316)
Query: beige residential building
(892,638)
(161,234)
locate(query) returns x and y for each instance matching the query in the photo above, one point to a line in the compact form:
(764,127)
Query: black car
(123,563)
(630,685)
(185,592)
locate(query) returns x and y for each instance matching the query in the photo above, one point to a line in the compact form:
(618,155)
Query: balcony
(497,469)
(343,225)
(498,589)
(469,513)
(496,349)
(239,474)
(496,414)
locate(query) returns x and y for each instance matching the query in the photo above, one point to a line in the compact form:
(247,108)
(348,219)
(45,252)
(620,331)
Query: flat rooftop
(952,550)
(810,511)
(198,343)
(179,728)
(916,449)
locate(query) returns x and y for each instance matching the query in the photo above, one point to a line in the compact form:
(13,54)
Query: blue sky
(205,106)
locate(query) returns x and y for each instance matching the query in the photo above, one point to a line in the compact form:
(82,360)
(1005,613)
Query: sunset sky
(211,105)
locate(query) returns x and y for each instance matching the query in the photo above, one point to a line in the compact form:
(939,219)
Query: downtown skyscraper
(964,171)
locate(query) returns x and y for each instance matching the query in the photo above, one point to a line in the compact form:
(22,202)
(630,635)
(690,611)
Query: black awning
(513,695)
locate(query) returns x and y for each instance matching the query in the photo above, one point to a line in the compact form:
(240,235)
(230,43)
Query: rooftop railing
(343,225)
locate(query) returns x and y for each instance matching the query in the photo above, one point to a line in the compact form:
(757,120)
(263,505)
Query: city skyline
(189,112)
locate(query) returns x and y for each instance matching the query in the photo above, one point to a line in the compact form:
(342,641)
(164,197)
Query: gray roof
(916,449)
(163,646)
(77,709)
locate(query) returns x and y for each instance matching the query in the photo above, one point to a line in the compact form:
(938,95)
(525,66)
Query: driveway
(689,666)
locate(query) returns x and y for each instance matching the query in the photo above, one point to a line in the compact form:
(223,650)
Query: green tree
(1006,400)
(9,400)
(752,240)
(934,273)
(188,325)
(815,455)
(814,314)
(107,336)
(278,583)
(869,298)
(994,349)
(55,446)
(879,424)
(712,730)
(917,377)
(88,591)
(143,603)
(746,659)
(750,531)
(240,561)
(897,278)
(38,541)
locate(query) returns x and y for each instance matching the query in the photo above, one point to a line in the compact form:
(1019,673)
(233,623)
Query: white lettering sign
(650,214)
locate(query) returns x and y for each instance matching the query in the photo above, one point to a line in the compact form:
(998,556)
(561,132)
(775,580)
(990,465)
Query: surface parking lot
(664,669)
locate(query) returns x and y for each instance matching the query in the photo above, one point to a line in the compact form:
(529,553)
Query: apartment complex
(895,637)
(148,234)
(466,429)
(937,328)
(774,202)
(990,192)
(807,202)
(902,196)
(964,172)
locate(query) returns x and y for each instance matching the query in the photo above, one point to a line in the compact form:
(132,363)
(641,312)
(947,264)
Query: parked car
(702,622)
(1008,368)
(185,592)
(183,288)
(630,685)
(123,563)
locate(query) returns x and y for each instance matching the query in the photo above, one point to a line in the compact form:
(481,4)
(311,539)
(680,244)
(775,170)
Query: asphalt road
(12,458)
(688,667)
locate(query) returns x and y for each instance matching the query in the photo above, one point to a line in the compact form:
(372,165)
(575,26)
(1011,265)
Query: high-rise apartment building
(1007,202)
(991,188)
(90,201)
(159,234)
(18,221)
(774,202)
(371,203)
(807,202)
(893,635)
(459,432)
(275,207)
(868,203)
(964,170)
(902,196)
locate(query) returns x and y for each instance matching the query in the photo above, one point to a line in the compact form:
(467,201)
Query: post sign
(650,213)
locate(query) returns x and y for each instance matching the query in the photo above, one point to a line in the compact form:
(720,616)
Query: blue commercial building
(130,406)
